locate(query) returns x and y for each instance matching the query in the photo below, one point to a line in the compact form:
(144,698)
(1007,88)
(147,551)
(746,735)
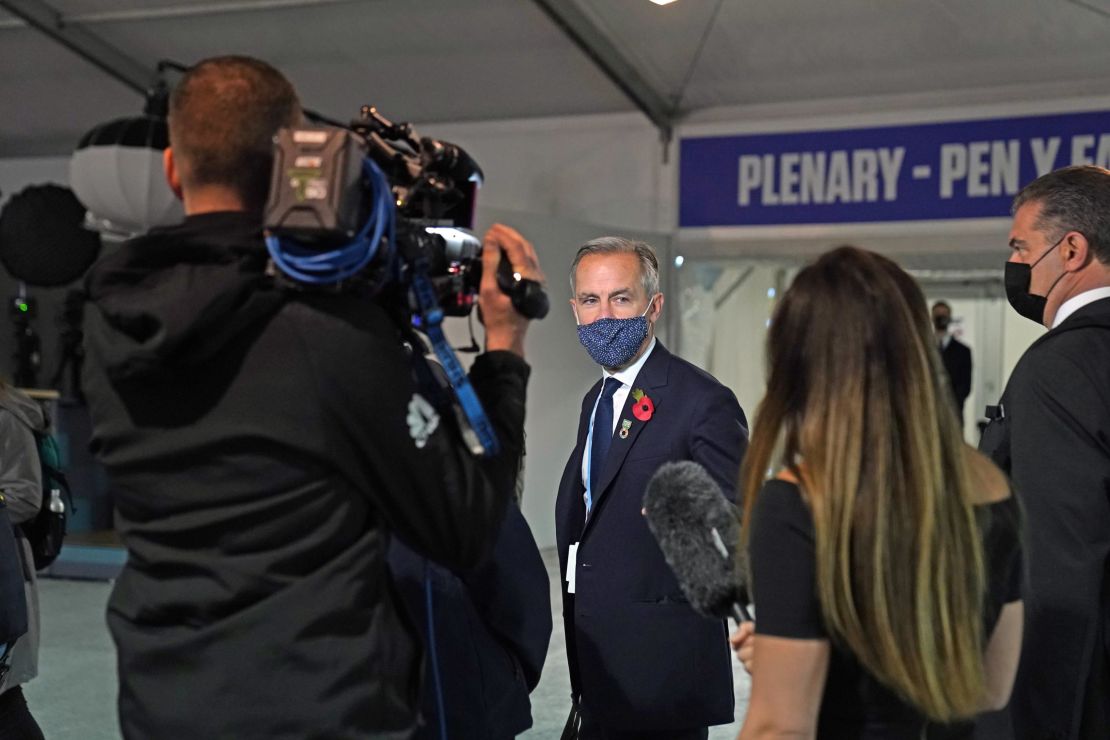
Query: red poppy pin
(643,407)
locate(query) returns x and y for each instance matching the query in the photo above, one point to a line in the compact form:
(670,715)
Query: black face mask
(940,323)
(1017,279)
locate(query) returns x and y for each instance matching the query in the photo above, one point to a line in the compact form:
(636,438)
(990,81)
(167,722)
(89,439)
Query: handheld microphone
(698,529)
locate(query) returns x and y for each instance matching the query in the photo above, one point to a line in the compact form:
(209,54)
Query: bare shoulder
(990,484)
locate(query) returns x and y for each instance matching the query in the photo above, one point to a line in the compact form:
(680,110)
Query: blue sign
(964,169)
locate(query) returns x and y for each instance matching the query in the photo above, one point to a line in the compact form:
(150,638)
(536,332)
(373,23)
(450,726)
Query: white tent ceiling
(458,60)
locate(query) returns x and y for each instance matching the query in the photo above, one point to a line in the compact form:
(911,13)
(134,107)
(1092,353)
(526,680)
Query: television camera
(373,205)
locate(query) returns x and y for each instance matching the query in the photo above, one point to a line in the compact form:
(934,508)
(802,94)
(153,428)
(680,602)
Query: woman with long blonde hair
(884,556)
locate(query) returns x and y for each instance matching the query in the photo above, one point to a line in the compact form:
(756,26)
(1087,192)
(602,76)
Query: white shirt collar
(628,375)
(1077,302)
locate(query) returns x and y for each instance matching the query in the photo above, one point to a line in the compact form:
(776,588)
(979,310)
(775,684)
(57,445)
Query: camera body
(322,194)
(372,205)
(330,184)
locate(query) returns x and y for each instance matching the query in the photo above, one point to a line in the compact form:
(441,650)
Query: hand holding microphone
(697,529)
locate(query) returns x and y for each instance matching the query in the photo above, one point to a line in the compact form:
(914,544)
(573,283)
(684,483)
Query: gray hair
(1073,199)
(649,264)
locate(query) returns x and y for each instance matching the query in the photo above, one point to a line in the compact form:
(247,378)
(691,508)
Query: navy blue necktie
(602,432)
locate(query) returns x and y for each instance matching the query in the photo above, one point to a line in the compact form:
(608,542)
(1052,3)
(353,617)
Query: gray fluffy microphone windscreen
(697,529)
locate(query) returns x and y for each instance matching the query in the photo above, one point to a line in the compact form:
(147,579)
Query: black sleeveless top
(784,586)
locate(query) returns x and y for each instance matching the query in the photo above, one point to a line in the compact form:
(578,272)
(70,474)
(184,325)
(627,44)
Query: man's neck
(1096,275)
(210,199)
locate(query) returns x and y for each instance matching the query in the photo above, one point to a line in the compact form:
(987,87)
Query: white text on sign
(976,169)
(842,176)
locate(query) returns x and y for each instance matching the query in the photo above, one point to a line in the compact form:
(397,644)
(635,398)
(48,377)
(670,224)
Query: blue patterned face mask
(613,342)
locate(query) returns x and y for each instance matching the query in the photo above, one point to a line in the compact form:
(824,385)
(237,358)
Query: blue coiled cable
(325,268)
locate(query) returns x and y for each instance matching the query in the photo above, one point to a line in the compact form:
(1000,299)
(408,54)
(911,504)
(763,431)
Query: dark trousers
(591,730)
(16,722)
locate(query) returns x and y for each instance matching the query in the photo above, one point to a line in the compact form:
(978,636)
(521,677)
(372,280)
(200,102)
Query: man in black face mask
(1051,433)
(956,357)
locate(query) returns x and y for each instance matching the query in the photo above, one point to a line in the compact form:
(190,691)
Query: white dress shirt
(627,377)
(1075,303)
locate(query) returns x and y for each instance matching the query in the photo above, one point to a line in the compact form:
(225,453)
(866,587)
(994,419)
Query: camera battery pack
(316,193)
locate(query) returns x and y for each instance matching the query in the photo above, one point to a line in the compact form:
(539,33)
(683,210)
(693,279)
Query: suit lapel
(652,377)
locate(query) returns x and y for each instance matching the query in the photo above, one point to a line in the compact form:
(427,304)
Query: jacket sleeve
(1060,468)
(20,473)
(961,380)
(401,449)
(720,439)
(511,591)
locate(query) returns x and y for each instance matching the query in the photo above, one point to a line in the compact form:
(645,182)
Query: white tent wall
(16,174)
(602,169)
(724,309)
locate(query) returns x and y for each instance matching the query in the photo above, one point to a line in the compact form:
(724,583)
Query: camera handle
(528,296)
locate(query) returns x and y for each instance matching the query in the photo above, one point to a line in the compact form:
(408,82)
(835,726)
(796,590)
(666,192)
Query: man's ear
(173,177)
(1075,251)
(574,310)
(657,309)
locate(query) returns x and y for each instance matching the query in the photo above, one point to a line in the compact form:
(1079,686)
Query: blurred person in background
(884,554)
(955,355)
(21,485)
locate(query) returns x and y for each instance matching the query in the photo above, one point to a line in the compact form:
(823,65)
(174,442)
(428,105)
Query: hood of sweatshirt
(172,298)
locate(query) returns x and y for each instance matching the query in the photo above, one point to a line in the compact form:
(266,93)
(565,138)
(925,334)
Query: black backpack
(47,530)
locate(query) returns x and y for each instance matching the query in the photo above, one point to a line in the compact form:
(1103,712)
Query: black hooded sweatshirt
(263,445)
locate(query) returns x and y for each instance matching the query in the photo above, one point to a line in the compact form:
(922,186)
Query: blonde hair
(855,395)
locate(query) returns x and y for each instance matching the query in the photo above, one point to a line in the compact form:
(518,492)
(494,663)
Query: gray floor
(74,695)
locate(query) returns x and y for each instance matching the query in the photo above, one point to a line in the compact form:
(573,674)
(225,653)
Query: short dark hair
(649,263)
(223,116)
(1073,198)
(942,303)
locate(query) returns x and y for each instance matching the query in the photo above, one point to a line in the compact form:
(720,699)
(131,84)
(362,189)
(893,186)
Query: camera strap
(482,440)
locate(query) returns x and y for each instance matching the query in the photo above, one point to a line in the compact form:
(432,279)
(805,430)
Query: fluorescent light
(662,2)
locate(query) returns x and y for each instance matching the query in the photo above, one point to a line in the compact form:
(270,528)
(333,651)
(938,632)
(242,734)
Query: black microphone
(698,530)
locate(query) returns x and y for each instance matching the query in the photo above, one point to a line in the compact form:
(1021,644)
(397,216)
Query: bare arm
(1000,661)
(787,687)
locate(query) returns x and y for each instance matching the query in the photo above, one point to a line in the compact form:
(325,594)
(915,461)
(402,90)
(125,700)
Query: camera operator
(265,444)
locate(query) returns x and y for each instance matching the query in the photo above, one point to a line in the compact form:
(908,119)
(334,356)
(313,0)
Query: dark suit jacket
(1054,441)
(640,657)
(957,363)
(493,626)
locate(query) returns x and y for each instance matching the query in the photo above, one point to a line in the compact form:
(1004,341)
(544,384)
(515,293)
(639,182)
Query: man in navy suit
(643,664)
